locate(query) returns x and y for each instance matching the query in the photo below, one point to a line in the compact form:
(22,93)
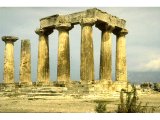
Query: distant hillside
(141,77)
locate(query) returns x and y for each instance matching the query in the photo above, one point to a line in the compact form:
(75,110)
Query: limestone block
(75,18)
(88,21)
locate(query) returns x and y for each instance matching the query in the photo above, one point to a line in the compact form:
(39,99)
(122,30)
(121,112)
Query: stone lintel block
(75,18)
(45,31)
(9,38)
(49,21)
(88,21)
(49,17)
(109,19)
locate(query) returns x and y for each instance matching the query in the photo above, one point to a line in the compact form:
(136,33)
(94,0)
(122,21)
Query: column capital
(9,38)
(87,21)
(105,27)
(46,31)
(64,26)
(120,32)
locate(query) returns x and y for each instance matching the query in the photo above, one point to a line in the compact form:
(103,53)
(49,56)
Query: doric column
(25,63)
(63,68)
(87,58)
(105,72)
(121,66)
(8,76)
(43,75)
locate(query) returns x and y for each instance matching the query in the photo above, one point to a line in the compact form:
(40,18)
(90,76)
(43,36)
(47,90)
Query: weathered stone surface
(88,21)
(9,38)
(87,59)
(43,75)
(107,23)
(63,69)
(121,66)
(76,18)
(106,52)
(9,59)
(25,64)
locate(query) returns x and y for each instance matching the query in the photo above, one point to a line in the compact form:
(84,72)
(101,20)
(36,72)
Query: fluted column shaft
(8,75)
(63,68)
(121,66)
(43,73)
(25,64)
(87,58)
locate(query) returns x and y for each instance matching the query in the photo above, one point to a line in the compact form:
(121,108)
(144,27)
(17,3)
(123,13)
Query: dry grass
(66,104)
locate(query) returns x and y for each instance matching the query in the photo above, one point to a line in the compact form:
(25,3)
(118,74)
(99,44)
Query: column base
(44,83)
(119,85)
(63,83)
(87,82)
(103,86)
(9,84)
(25,84)
(104,81)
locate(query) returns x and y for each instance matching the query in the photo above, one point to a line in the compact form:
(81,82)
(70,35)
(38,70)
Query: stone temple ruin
(105,22)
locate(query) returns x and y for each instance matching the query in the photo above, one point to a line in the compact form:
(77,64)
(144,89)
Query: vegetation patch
(130,104)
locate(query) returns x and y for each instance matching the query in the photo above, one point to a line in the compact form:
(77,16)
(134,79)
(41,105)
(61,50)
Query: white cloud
(153,65)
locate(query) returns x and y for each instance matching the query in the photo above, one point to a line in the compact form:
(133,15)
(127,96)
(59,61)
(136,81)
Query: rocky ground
(64,103)
(56,104)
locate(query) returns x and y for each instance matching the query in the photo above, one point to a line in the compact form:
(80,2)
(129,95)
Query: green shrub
(100,107)
(157,87)
(146,85)
(131,104)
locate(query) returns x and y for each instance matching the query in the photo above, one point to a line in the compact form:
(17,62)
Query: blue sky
(143,40)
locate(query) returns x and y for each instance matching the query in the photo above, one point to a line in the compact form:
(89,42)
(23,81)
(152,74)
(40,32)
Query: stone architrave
(121,66)
(43,73)
(25,64)
(106,52)
(63,68)
(8,75)
(87,58)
